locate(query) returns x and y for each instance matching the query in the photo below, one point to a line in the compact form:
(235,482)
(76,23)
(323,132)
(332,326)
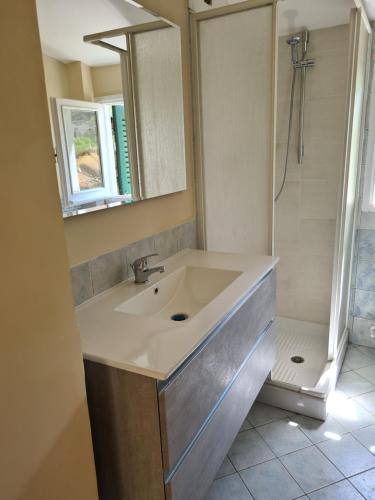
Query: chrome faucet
(141,269)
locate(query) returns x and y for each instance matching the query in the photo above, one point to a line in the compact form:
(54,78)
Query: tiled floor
(279,455)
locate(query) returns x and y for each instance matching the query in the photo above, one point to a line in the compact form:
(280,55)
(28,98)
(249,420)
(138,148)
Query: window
(92,151)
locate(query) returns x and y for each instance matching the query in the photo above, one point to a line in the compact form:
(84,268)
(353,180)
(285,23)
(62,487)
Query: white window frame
(70,192)
(368,199)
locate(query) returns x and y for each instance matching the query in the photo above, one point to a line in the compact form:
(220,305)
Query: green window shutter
(122,153)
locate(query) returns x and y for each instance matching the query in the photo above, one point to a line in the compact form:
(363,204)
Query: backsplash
(105,271)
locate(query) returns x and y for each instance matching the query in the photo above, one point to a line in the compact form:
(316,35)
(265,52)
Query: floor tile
(367,401)
(348,455)
(352,384)
(366,436)
(311,469)
(339,491)
(226,469)
(230,487)
(283,437)
(261,414)
(271,481)
(345,368)
(365,483)
(367,351)
(355,359)
(349,413)
(317,430)
(246,425)
(368,372)
(249,449)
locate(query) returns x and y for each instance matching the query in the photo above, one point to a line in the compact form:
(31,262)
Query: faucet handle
(141,262)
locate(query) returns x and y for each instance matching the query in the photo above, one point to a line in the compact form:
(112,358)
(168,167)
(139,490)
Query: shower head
(294,41)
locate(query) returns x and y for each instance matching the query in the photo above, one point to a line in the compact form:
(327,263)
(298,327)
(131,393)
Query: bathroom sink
(180,295)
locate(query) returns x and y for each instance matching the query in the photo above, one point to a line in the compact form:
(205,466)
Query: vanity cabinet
(167,439)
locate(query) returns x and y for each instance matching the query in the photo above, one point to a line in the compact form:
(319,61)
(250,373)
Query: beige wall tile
(290,199)
(286,302)
(317,236)
(324,119)
(287,235)
(314,271)
(287,271)
(313,305)
(328,77)
(329,38)
(318,200)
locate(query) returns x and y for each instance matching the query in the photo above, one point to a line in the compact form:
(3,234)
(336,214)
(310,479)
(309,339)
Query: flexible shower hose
(289,132)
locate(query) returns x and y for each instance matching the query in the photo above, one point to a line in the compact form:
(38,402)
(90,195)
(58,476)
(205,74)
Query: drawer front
(187,400)
(199,467)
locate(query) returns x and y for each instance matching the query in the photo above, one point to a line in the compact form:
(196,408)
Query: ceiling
(63,23)
(312,14)
(296,14)
(370,7)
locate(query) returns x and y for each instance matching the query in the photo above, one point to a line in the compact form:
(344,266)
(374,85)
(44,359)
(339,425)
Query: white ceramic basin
(184,292)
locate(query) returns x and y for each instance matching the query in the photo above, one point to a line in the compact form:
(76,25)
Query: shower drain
(297,359)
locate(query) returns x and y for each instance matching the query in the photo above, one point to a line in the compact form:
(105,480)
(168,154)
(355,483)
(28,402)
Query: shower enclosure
(303,108)
(317,168)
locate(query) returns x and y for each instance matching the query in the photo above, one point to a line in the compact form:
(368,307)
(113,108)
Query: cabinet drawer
(187,400)
(198,469)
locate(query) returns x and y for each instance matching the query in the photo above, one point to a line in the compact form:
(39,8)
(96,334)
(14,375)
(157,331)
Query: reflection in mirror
(114,84)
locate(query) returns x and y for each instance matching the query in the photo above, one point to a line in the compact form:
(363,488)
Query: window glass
(83,137)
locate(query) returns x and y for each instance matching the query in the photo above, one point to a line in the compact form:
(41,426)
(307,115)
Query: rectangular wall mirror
(114,86)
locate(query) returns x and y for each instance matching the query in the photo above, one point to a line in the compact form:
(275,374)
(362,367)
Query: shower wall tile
(365,275)
(323,161)
(287,233)
(361,333)
(318,200)
(305,214)
(314,272)
(289,202)
(324,119)
(366,244)
(286,300)
(325,78)
(317,236)
(367,220)
(333,39)
(313,304)
(364,305)
(105,271)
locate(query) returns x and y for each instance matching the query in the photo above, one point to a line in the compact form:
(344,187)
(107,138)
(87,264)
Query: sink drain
(297,359)
(179,317)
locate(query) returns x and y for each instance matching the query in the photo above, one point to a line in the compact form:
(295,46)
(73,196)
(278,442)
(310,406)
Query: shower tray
(301,352)
(303,386)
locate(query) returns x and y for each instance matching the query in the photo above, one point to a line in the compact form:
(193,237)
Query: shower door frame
(358,21)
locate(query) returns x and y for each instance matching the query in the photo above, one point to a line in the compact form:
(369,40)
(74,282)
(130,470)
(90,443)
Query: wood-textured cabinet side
(187,400)
(125,427)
